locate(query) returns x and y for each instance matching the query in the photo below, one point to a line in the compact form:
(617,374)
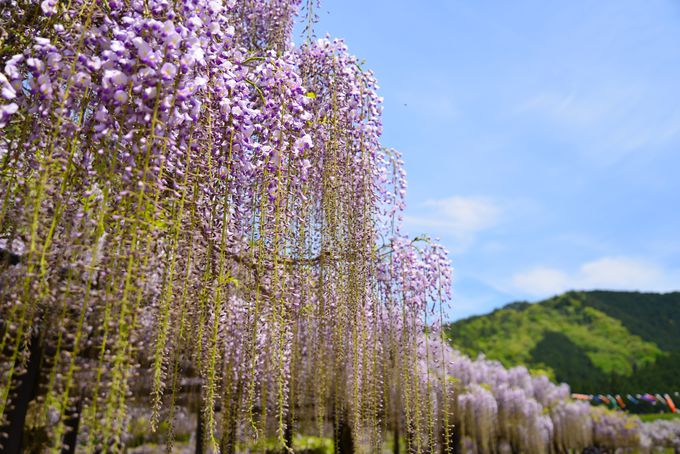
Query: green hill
(598,341)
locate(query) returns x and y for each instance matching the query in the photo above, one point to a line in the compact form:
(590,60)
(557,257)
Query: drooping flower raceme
(191,204)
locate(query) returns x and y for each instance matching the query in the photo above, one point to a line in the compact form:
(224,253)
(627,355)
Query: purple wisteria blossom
(206,212)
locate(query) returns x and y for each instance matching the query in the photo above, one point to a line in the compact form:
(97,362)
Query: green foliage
(652,316)
(569,362)
(656,416)
(305,444)
(140,435)
(596,341)
(313,445)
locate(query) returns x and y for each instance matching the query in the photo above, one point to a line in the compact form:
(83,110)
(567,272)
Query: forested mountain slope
(597,341)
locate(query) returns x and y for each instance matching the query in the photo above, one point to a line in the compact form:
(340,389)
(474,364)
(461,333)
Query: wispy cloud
(612,273)
(458,215)
(466,214)
(541,281)
(565,108)
(609,121)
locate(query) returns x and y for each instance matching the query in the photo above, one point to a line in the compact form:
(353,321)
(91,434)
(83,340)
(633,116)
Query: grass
(657,416)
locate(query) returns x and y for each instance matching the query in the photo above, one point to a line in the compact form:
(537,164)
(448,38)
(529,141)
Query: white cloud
(458,217)
(466,214)
(541,281)
(621,272)
(611,273)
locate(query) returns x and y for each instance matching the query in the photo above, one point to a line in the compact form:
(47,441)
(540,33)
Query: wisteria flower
(11,68)
(120,96)
(113,78)
(7,90)
(145,52)
(6,112)
(82,79)
(303,143)
(168,71)
(118,47)
(49,7)
(36,64)
(45,85)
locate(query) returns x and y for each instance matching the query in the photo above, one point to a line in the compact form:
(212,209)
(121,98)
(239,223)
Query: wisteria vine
(194,212)
(191,205)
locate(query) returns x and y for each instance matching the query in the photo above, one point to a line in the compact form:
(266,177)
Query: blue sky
(541,139)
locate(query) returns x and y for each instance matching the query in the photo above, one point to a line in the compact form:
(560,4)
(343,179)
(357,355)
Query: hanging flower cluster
(615,429)
(660,433)
(494,409)
(190,205)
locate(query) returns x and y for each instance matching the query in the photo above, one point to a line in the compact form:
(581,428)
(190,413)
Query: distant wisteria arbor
(499,410)
(190,205)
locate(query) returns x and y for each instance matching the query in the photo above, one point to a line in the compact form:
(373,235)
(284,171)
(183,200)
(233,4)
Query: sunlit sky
(541,139)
